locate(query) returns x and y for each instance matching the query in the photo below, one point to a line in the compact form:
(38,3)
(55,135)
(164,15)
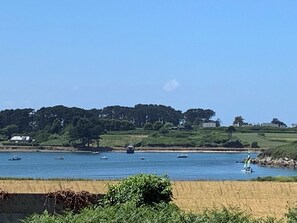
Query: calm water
(209,166)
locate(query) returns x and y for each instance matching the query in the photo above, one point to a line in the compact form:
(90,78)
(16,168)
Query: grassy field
(194,138)
(260,199)
(121,140)
(269,140)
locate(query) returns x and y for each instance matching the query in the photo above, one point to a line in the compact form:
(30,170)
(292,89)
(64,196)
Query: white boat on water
(103,157)
(182,156)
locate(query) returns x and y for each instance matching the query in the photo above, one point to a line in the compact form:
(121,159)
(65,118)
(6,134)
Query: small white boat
(95,153)
(182,156)
(15,158)
(248,170)
(104,157)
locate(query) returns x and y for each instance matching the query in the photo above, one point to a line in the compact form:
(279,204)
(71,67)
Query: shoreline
(117,149)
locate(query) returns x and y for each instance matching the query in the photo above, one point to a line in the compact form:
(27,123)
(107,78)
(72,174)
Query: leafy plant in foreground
(140,189)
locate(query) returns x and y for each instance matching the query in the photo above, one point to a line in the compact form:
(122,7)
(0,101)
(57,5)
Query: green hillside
(288,150)
(267,140)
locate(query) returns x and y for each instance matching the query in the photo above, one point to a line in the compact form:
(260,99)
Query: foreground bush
(140,189)
(160,213)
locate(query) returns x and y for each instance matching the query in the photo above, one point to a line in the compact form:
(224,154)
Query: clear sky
(234,57)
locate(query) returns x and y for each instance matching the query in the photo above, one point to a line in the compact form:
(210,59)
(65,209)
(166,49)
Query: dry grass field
(260,199)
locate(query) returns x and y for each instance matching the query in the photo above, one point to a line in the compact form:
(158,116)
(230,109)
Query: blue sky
(234,57)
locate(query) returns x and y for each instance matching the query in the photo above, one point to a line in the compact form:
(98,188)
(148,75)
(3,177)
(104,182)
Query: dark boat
(130,149)
(14,158)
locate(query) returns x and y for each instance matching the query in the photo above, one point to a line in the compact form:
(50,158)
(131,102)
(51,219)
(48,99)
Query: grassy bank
(289,151)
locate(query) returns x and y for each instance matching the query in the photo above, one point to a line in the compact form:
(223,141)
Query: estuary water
(116,165)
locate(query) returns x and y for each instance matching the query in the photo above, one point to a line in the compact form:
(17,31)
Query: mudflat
(260,199)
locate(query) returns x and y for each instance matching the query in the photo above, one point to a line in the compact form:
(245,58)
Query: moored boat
(130,149)
(182,156)
(15,158)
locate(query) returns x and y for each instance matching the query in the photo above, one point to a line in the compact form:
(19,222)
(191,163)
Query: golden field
(260,199)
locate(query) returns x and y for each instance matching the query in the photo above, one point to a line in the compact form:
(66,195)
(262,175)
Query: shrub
(161,213)
(255,145)
(140,189)
(233,144)
(163,130)
(148,126)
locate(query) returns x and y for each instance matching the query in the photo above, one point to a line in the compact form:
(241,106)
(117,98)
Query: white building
(21,139)
(270,125)
(209,125)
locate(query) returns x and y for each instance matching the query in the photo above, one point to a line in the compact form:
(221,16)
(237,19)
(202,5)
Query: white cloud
(171,85)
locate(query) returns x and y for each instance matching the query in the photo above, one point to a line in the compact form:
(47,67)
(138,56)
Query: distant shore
(121,149)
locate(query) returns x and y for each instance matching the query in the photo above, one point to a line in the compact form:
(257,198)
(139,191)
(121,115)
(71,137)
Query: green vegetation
(60,125)
(141,189)
(277,179)
(122,139)
(288,150)
(182,138)
(141,125)
(161,213)
(266,140)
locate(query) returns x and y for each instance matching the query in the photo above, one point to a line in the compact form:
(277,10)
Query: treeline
(86,125)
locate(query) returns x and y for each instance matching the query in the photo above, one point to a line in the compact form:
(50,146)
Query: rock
(279,162)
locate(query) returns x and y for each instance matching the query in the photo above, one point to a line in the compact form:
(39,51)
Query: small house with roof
(21,139)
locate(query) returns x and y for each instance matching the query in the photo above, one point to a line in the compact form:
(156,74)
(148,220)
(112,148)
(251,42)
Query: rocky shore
(275,162)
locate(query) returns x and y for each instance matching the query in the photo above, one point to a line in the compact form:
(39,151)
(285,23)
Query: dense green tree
(9,130)
(19,117)
(168,125)
(85,131)
(115,125)
(187,126)
(278,122)
(164,130)
(117,112)
(230,131)
(218,122)
(197,116)
(157,125)
(56,126)
(152,113)
(148,126)
(238,120)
